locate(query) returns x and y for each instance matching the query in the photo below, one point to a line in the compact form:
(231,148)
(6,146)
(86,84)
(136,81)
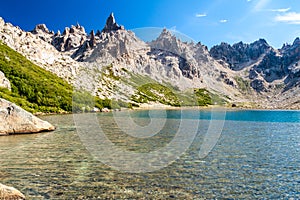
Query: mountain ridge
(255,72)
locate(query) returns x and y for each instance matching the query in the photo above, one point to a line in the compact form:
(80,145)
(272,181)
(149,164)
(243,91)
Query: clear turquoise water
(256,157)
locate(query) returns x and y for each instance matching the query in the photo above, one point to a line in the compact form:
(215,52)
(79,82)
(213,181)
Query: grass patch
(33,88)
(155,92)
(244,85)
(85,102)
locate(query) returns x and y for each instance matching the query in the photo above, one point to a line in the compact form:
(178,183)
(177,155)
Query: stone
(10,193)
(4,82)
(15,120)
(105,110)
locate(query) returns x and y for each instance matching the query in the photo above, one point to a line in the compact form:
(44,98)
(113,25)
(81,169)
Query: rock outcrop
(37,48)
(240,55)
(111,24)
(10,193)
(4,82)
(15,120)
(271,72)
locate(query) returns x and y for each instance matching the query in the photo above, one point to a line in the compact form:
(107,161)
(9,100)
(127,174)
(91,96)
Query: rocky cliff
(272,73)
(109,62)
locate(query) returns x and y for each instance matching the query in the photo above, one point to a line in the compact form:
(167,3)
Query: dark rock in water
(10,193)
(15,120)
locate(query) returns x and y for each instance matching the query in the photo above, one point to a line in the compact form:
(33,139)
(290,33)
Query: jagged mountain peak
(240,70)
(296,41)
(41,28)
(166,34)
(240,54)
(261,43)
(111,24)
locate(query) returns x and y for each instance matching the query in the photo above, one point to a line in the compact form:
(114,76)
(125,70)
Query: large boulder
(10,193)
(15,120)
(4,82)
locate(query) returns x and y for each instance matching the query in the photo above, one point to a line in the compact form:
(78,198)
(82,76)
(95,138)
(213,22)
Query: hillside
(114,64)
(32,87)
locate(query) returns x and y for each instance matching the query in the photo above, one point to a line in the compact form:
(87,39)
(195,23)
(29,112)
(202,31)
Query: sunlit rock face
(254,72)
(15,120)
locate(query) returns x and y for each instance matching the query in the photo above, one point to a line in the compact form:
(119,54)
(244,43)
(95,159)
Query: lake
(256,155)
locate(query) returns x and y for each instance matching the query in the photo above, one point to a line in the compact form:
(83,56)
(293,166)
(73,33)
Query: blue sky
(207,21)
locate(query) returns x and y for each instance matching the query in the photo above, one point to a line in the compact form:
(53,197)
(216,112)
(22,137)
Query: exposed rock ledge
(10,193)
(15,120)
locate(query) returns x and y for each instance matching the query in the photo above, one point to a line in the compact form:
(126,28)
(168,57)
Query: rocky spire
(296,41)
(111,24)
(92,41)
(40,28)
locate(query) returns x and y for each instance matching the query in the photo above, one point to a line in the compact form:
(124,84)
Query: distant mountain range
(113,63)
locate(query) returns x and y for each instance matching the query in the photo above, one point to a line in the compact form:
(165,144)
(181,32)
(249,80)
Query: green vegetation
(205,98)
(149,90)
(84,101)
(33,88)
(37,90)
(155,92)
(244,85)
(108,71)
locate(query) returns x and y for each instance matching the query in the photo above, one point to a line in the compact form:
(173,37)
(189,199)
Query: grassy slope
(38,90)
(149,90)
(33,88)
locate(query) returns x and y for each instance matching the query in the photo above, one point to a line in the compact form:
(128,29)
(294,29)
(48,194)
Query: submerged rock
(15,120)
(10,193)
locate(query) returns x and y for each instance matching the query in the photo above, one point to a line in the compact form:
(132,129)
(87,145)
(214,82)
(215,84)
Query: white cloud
(223,20)
(201,15)
(248,0)
(290,18)
(260,5)
(282,10)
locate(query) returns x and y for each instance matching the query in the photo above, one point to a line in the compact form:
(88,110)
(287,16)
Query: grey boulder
(15,120)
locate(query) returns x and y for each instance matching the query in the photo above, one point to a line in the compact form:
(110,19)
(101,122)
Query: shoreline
(167,107)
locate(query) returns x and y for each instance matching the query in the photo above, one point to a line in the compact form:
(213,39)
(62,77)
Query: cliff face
(272,73)
(253,72)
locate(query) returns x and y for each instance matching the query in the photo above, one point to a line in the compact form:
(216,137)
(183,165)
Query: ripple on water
(251,160)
